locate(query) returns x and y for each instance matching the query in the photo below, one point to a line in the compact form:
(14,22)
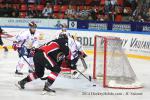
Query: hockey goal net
(112,65)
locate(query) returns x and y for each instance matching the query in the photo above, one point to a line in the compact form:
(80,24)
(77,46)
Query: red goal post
(112,65)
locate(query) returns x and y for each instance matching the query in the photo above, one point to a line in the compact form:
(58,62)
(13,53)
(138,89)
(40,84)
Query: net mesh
(112,64)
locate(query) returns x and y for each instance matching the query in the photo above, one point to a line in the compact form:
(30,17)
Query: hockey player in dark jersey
(48,56)
(1,42)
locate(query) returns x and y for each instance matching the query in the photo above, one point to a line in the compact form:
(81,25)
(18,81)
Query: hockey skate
(75,75)
(5,49)
(47,90)
(18,73)
(21,84)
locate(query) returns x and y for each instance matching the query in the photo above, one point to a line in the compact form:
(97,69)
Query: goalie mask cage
(112,65)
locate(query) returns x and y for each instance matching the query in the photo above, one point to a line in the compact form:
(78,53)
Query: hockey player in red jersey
(49,56)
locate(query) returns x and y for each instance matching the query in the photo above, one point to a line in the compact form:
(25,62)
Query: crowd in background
(99,10)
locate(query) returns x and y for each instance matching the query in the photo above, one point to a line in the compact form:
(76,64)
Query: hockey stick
(83,62)
(89,79)
(25,60)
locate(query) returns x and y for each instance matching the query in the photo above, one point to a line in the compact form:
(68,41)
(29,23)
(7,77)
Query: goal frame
(105,63)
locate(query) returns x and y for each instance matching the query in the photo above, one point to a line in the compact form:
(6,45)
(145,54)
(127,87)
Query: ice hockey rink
(69,89)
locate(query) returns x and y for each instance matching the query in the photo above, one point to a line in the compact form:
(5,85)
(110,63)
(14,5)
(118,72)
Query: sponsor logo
(98,26)
(121,27)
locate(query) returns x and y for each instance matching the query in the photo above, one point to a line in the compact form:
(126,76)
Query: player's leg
(2,44)
(19,66)
(65,69)
(31,66)
(30,61)
(39,71)
(20,63)
(5,48)
(51,78)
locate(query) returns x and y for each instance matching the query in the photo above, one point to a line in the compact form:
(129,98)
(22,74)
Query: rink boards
(135,44)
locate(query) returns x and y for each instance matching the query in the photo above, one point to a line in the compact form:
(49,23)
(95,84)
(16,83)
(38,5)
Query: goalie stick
(88,78)
(76,74)
(83,62)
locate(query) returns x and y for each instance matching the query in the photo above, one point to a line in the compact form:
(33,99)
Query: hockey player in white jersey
(76,52)
(25,44)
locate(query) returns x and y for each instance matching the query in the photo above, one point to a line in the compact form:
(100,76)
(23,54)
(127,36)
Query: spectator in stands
(37,13)
(58,25)
(106,18)
(77,13)
(7,11)
(100,18)
(31,1)
(15,12)
(84,13)
(133,5)
(27,2)
(47,10)
(49,1)
(136,12)
(148,15)
(65,2)
(70,12)
(94,3)
(140,19)
(8,1)
(50,16)
(113,2)
(93,13)
(62,2)
(38,2)
(30,13)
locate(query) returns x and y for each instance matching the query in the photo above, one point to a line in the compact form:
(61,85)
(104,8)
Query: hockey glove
(73,66)
(32,52)
(15,45)
(82,54)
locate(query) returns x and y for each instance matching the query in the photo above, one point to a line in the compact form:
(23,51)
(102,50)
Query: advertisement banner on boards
(48,23)
(73,24)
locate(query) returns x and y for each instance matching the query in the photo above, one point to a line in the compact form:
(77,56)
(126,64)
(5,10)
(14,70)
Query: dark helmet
(32,24)
(63,36)
(1,30)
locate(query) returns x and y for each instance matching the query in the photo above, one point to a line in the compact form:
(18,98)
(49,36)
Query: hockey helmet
(74,36)
(1,30)
(32,24)
(64,27)
(63,36)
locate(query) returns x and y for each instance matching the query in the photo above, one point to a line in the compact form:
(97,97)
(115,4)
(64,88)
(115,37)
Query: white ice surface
(68,89)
